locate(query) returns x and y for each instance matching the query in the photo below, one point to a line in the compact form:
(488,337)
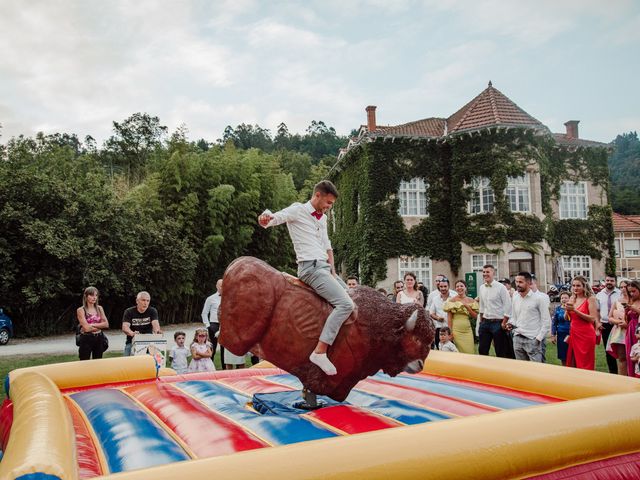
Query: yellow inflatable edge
(42,438)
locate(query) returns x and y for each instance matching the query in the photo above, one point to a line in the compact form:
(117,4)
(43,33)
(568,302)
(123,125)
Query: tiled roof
(429,127)
(562,139)
(626,223)
(490,108)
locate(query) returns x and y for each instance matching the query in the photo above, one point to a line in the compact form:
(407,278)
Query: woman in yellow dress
(461,309)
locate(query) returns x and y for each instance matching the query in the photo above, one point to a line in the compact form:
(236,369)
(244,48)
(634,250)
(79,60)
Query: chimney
(371,118)
(572,128)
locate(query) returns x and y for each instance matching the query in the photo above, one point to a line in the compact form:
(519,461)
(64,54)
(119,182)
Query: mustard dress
(461,325)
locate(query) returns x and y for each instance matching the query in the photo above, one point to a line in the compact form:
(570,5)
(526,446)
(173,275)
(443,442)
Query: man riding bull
(307,224)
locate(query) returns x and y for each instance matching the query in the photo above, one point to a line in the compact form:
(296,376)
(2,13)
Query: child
(446,345)
(635,352)
(179,353)
(201,352)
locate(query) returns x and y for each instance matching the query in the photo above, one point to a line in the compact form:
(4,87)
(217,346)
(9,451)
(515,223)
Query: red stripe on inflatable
(251,385)
(6,420)
(443,403)
(534,397)
(614,468)
(88,461)
(205,432)
(351,420)
(220,374)
(246,372)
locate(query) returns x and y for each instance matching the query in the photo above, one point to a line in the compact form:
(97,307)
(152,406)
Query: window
(481,197)
(479,260)
(573,200)
(617,244)
(632,247)
(413,198)
(421,266)
(576,265)
(517,193)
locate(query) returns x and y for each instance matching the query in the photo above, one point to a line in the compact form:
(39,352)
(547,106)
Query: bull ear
(410,324)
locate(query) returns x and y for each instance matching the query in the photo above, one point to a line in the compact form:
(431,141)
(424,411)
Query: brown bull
(278,318)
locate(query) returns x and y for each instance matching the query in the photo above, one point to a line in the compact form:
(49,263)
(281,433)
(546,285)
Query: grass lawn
(20,361)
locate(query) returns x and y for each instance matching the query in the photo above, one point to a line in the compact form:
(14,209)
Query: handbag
(105,342)
(78,333)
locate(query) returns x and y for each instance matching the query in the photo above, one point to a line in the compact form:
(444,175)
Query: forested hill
(624,168)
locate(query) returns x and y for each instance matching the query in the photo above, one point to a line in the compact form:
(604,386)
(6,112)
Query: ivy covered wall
(368,228)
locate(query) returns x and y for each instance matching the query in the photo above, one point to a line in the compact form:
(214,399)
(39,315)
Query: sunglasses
(201,335)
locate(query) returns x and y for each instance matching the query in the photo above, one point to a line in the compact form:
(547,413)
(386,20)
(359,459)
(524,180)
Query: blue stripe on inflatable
(129,437)
(396,409)
(279,429)
(7,385)
(37,476)
(285,379)
(498,400)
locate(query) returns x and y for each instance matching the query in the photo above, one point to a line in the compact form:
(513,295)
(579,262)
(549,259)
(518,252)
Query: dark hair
(633,283)
(352,277)
(412,275)
(611,275)
(446,330)
(444,280)
(462,282)
(383,291)
(325,187)
(178,333)
(488,265)
(527,276)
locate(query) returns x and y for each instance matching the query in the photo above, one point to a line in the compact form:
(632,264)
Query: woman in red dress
(631,313)
(582,311)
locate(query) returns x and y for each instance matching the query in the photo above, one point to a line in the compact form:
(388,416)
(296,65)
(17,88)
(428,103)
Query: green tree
(132,145)
(624,168)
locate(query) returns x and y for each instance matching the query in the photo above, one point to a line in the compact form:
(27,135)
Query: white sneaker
(321,360)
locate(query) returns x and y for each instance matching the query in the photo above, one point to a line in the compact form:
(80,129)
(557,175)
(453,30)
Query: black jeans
(213,329)
(90,346)
(493,332)
(611,361)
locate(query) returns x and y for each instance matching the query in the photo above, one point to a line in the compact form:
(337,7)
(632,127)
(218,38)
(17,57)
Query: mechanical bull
(278,318)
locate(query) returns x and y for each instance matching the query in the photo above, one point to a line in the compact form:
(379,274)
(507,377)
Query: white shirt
(602,298)
(530,315)
(210,310)
(436,307)
(436,293)
(495,302)
(308,234)
(448,347)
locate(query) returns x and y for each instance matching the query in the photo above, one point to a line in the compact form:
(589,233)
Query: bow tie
(487,285)
(318,215)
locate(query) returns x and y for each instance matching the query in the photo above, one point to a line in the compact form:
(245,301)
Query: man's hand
(264,219)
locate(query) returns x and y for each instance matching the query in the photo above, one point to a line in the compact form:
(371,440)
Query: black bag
(105,342)
(78,333)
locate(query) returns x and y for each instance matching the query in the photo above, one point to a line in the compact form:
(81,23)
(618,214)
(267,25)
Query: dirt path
(66,344)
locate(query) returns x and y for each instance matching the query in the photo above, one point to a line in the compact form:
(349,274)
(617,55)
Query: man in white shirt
(547,301)
(210,315)
(436,311)
(436,291)
(307,224)
(530,320)
(606,298)
(495,308)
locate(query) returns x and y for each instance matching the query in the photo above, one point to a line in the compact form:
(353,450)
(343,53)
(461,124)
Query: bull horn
(410,324)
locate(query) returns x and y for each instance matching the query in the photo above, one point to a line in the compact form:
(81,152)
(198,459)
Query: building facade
(626,229)
(489,184)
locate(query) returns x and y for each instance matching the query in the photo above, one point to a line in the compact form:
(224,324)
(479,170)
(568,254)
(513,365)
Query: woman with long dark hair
(92,322)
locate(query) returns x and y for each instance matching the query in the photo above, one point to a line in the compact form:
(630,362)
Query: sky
(75,66)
